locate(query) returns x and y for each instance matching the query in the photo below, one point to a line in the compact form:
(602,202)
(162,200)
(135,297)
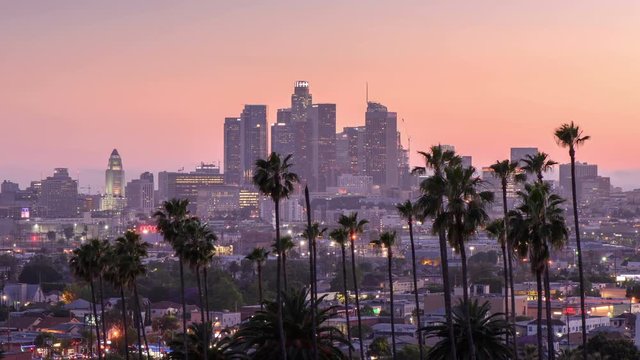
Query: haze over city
(156,82)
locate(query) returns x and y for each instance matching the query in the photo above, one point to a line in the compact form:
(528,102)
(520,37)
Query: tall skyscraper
(233,148)
(357,152)
(586,176)
(140,193)
(322,121)
(59,195)
(300,103)
(254,137)
(282,134)
(114,191)
(382,145)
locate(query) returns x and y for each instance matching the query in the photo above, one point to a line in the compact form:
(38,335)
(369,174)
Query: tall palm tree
(431,204)
(313,277)
(129,250)
(341,237)
(540,227)
(85,265)
(354,227)
(258,335)
(387,241)
(273,178)
(506,171)
(258,256)
(408,211)
(285,245)
(209,250)
(103,263)
(463,213)
(488,329)
(170,223)
(495,229)
(571,136)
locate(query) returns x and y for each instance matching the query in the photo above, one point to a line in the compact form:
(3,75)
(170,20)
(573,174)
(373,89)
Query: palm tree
(488,330)
(209,251)
(129,250)
(571,136)
(219,349)
(258,256)
(259,335)
(285,245)
(354,227)
(461,216)
(408,211)
(313,277)
(387,241)
(506,171)
(341,237)
(540,226)
(85,265)
(431,204)
(103,263)
(538,164)
(170,223)
(273,179)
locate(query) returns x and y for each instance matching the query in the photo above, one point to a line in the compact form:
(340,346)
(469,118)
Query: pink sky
(155,79)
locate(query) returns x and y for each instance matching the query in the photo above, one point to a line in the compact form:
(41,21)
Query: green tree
(431,203)
(273,178)
(571,136)
(354,227)
(258,256)
(605,348)
(387,241)
(488,331)
(379,348)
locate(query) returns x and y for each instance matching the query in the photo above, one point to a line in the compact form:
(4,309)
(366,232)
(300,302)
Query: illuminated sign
(24,213)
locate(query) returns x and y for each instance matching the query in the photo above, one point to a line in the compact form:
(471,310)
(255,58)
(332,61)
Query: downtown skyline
(505,89)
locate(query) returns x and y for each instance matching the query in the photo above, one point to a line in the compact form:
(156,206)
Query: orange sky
(156,78)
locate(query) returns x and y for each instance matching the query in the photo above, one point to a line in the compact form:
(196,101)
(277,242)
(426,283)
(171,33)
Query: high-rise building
(356,137)
(140,193)
(254,137)
(179,185)
(282,136)
(114,189)
(59,195)
(233,148)
(585,173)
(301,100)
(381,145)
(519,153)
(322,121)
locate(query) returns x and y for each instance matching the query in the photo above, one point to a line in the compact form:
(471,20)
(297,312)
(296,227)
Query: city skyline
(505,88)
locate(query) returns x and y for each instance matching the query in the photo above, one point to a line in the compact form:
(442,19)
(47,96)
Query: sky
(156,78)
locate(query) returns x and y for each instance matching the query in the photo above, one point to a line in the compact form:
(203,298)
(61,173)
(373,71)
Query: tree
(285,245)
(379,348)
(170,223)
(341,237)
(354,227)
(387,241)
(258,256)
(37,273)
(487,331)
(85,265)
(616,348)
(409,352)
(312,234)
(259,335)
(461,216)
(273,178)
(506,171)
(571,136)
(431,204)
(408,211)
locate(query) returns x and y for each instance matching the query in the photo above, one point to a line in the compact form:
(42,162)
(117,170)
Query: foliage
(490,257)
(409,352)
(602,347)
(380,348)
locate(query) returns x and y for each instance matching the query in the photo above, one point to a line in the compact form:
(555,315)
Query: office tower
(140,193)
(322,121)
(114,190)
(404,169)
(357,152)
(466,161)
(232,150)
(254,137)
(283,134)
(179,185)
(519,153)
(59,195)
(381,145)
(343,162)
(587,181)
(300,103)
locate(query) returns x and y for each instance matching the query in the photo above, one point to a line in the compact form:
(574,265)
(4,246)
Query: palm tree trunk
(184,310)
(393,322)
(205,345)
(312,275)
(547,290)
(206,293)
(139,312)
(465,295)
(95,317)
(260,284)
(506,284)
(281,335)
(346,298)
(102,318)
(510,267)
(124,324)
(539,326)
(576,221)
(136,319)
(415,286)
(284,270)
(355,289)
(446,285)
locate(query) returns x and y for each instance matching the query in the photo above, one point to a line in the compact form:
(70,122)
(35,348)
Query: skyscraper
(253,137)
(114,176)
(59,195)
(381,145)
(357,154)
(300,102)
(322,121)
(232,150)
(282,134)
(140,193)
